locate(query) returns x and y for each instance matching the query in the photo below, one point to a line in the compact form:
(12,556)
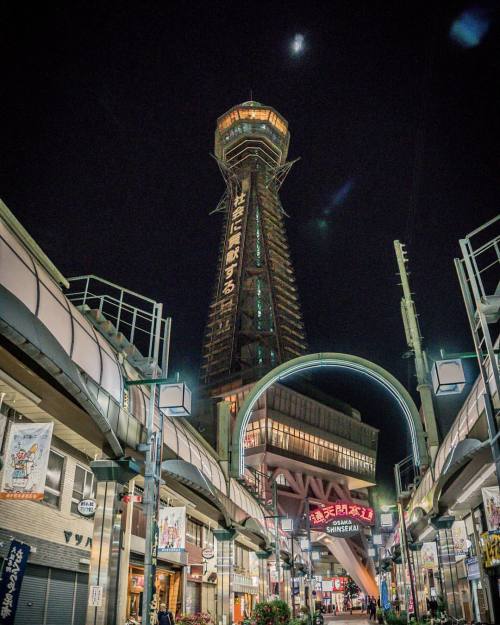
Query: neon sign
(322,517)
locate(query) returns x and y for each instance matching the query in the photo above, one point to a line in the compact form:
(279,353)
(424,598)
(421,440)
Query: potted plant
(380,616)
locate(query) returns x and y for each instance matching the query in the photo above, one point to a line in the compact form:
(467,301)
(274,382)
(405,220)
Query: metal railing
(119,312)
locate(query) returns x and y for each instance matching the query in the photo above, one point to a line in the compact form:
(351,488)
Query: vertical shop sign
(26,457)
(172,529)
(12,578)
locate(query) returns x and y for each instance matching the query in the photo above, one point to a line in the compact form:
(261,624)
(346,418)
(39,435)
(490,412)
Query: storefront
(168,585)
(245,596)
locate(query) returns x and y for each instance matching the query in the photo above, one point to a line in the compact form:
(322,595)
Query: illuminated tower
(254,321)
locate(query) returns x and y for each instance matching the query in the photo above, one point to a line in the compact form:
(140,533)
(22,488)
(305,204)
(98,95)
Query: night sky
(108,116)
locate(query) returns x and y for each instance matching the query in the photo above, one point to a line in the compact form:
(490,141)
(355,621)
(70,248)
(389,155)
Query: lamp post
(175,400)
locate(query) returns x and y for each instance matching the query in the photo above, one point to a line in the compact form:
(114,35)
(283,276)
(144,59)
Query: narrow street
(344,617)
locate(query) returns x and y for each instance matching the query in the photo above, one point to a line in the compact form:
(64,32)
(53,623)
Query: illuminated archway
(339,361)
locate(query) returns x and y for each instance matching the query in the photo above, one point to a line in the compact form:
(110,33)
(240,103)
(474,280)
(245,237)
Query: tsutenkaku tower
(254,321)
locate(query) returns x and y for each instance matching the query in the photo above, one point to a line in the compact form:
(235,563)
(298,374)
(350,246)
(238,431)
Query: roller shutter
(82,592)
(61,595)
(31,605)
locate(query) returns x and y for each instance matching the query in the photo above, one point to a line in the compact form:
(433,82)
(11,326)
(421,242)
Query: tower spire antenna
(251,95)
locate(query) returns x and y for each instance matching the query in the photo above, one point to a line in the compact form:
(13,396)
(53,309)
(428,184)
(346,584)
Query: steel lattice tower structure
(254,321)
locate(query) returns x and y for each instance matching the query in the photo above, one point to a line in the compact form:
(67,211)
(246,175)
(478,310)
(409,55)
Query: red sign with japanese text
(320,517)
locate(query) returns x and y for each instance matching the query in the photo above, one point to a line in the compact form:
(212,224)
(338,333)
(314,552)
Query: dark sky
(108,115)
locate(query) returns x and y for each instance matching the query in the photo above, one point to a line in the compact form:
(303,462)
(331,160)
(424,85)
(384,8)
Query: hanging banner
(172,526)
(429,556)
(12,578)
(491,501)
(459,537)
(25,458)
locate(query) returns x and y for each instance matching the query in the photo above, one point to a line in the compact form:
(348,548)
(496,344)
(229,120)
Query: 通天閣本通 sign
(322,517)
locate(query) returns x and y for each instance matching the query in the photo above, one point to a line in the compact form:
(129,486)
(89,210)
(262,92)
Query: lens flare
(298,44)
(470,27)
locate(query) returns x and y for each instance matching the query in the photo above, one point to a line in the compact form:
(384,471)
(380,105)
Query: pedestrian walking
(165,617)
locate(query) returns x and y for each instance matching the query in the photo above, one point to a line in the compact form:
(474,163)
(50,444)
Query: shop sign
(343,527)
(207,553)
(26,457)
(335,584)
(132,498)
(386,520)
(472,565)
(321,517)
(490,548)
(172,525)
(87,507)
(12,578)
(491,501)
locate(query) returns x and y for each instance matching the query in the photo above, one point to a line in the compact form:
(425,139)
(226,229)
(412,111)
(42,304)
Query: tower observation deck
(254,321)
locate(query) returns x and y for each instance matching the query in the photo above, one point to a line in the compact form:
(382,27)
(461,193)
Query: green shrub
(276,612)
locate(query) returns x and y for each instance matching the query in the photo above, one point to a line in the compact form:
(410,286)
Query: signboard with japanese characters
(172,529)
(490,548)
(12,578)
(26,457)
(231,260)
(341,510)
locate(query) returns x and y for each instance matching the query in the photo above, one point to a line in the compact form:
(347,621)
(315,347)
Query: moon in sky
(298,44)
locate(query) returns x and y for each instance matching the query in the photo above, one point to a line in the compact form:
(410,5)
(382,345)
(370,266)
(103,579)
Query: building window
(83,487)
(53,479)
(194,533)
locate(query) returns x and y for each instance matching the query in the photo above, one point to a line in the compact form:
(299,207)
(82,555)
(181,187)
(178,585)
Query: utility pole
(151,488)
(414,341)
(310,570)
(277,537)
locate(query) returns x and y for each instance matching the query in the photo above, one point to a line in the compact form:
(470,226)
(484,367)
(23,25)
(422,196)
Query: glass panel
(54,471)
(79,484)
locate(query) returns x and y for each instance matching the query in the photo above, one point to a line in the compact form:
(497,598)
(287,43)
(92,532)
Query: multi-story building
(313,447)
(66,353)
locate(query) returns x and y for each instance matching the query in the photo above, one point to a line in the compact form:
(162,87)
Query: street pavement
(344,618)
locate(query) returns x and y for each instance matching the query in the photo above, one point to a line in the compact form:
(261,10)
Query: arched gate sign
(338,361)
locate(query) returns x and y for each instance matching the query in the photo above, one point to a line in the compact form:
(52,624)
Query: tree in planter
(351,591)
(275,612)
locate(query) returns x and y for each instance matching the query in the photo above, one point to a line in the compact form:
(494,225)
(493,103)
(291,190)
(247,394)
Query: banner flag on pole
(11,580)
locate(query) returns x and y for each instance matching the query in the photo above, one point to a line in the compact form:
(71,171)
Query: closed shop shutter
(60,600)
(31,604)
(193,598)
(82,592)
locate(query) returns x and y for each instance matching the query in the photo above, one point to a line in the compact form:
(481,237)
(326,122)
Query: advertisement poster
(491,500)
(12,578)
(459,536)
(429,556)
(25,460)
(172,536)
